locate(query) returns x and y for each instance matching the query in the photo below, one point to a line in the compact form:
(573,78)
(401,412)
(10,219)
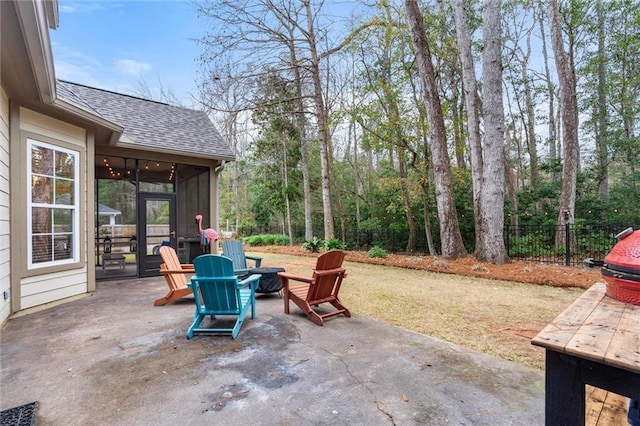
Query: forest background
(388,119)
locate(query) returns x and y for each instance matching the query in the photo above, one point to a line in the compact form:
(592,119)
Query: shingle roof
(151,124)
(106,210)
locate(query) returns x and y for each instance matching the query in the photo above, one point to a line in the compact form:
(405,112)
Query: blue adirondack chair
(234,250)
(217,291)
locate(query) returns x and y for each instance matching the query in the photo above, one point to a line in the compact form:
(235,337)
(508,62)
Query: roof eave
(138,147)
(35,20)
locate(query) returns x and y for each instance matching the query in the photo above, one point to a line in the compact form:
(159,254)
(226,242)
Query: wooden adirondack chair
(322,287)
(234,250)
(217,291)
(176,275)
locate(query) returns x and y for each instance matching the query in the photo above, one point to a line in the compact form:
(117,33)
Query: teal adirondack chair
(217,291)
(234,250)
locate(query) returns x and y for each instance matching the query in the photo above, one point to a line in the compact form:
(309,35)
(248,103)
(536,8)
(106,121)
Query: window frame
(74,208)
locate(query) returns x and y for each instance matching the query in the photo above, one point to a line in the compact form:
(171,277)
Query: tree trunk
(450,237)
(287,201)
(492,190)
(601,113)
(472,102)
(321,118)
(569,123)
(411,222)
(511,185)
(531,118)
(302,128)
(553,152)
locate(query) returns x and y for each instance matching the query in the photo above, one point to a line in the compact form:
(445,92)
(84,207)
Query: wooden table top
(598,328)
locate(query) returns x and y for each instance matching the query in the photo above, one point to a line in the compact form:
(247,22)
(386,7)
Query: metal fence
(579,242)
(533,243)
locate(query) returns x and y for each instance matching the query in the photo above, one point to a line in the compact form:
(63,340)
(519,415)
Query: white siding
(48,288)
(40,289)
(5,241)
(32,121)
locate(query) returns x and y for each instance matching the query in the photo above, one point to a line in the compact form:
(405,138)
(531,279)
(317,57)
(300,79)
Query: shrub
(377,251)
(314,245)
(333,244)
(267,240)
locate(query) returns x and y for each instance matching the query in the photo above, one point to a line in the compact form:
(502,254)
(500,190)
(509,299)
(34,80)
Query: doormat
(24,415)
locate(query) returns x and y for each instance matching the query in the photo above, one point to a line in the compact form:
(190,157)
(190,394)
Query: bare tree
(472,103)
(321,121)
(451,239)
(601,110)
(493,180)
(551,94)
(248,42)
(568,106)
(487,156)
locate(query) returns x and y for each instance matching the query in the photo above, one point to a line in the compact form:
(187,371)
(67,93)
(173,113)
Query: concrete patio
(113,358)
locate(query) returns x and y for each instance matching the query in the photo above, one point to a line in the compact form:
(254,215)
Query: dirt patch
(518,271)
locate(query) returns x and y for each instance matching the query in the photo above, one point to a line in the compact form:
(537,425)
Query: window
(53,205)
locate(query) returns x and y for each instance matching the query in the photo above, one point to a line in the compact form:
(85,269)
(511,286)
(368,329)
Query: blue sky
(115,45)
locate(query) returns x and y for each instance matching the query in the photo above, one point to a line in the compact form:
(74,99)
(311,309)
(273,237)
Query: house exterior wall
(5,196)
(44,285)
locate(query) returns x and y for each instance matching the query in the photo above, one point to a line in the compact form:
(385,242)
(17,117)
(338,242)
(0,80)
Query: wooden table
(595,341)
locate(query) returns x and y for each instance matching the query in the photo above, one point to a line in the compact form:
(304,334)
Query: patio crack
(364,384)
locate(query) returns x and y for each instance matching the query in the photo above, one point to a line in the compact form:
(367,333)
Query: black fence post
(567,245)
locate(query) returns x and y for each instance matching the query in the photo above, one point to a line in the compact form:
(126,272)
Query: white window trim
(75,231)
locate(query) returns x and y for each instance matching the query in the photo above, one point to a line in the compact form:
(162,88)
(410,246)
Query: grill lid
(625,255)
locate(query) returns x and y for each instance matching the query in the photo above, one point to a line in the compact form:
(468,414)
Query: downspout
(216,171)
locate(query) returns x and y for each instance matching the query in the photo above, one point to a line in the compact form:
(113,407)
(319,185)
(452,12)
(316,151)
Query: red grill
(621,268)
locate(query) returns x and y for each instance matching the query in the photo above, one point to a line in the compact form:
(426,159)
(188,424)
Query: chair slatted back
(327,276)
(217,285)
(234,250)
(171,262)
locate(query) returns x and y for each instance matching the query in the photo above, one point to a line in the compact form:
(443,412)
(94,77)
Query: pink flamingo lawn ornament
(206,235)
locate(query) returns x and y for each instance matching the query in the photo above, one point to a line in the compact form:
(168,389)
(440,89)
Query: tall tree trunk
(425,180)
(422,130)
(568,108)
(321,118)
(406,199)
(302,128)
(450,237)
(531,119)
(457,121)
(356,171)
(551,95)
(472,102)
(287,201)
(601,113)
(511,185)
(492,190)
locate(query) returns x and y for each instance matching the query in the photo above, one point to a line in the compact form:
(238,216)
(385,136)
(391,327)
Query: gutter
(33,20)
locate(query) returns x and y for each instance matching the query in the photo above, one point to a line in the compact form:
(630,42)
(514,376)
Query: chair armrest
(329,272)
(252,279)
(292,277)
(241,272)
(187,266)
(256,259)
(177,271)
